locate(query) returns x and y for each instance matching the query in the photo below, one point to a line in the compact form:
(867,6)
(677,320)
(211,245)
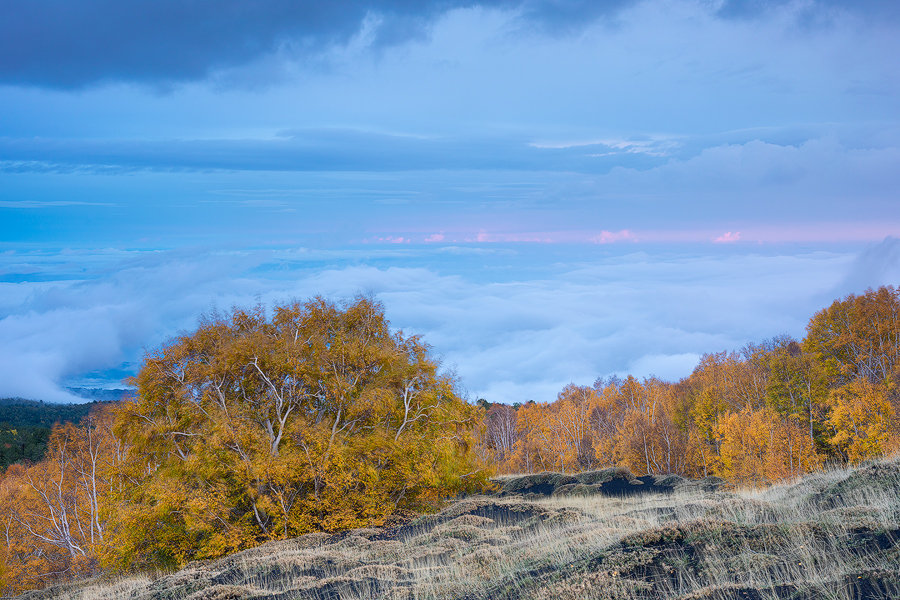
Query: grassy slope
(831,535)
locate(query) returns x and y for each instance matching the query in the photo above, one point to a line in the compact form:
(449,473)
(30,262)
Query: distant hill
(17,412)
(102,395)
(25,424)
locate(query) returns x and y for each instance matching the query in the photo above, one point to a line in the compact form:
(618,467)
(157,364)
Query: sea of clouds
(514,321)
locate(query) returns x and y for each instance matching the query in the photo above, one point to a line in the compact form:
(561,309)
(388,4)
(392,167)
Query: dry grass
(830,535)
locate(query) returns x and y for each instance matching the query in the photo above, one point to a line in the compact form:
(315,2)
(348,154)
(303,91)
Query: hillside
(18,412)
(25,427)
(598,535)
(25,424)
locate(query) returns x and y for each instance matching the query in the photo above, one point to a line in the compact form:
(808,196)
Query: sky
(548,191)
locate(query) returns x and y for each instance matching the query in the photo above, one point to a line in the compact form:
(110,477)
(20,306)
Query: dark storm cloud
(314,150)
(70,44)
(64,43)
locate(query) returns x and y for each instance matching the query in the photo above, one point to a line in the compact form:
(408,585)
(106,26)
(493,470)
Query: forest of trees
(321,418)
(770,411)
(250,429)
(25,427)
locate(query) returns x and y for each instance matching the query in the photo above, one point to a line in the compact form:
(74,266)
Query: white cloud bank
(512,337)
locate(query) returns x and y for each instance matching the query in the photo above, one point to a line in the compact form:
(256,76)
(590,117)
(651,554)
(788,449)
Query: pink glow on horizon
(389,240)
(748,233)
(533,237)
(727,238)
(609,237)
(778,234)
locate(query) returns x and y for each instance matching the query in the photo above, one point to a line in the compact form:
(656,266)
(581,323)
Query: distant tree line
(32,413)
(770,411)
(25,427)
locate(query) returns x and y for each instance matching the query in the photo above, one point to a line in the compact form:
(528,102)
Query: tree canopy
(255,428)
(772,410)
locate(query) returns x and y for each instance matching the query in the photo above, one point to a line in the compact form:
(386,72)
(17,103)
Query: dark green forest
(25,426)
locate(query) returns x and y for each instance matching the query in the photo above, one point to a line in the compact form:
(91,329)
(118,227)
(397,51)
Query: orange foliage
(862,418)
(759,447)
(53,512)
(771,411)
(320,418)
(252,429)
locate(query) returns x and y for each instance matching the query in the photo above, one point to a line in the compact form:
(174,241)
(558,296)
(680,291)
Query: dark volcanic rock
(613,482)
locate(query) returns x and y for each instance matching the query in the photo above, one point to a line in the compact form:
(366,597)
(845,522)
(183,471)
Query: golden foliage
(53,513)
(249,429)
(253,429)
(771,411)
(862,419)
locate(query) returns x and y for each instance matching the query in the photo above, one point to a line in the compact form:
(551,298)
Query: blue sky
(547,190)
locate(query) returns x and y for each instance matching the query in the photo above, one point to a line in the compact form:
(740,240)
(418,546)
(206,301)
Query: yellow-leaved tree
(857,340)
(255,428)
(53,514)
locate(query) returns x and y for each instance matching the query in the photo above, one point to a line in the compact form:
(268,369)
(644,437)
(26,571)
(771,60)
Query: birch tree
(258,427)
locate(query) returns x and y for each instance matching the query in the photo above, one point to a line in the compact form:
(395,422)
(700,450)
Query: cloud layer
(665,119)
(516,324)
(61,44)
(822,190)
